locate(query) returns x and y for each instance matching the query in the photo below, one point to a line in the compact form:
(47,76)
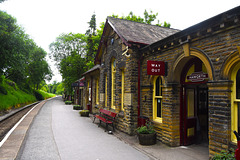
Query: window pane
(159,107)
(158,87)
(190,102)
(238,85)
(238,117)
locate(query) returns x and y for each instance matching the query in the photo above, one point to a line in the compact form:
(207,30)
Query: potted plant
(68,102)
(77,107)
(146,134)
(84,113)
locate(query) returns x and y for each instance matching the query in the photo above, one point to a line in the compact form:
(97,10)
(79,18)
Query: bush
(38,96)
(3,90)
(224,155)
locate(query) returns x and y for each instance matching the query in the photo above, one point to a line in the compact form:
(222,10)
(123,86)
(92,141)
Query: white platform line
(15,126)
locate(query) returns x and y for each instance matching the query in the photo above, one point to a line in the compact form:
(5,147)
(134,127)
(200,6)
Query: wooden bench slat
(105,116)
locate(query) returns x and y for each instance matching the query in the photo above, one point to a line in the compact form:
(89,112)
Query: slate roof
(92,69)
(141,33)
(229,18)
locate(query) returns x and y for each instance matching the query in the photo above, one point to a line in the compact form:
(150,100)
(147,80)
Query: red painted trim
(122,38)
(91,94)
(139,87)
(139,90)
(97,60)
(181,115)
(138,43)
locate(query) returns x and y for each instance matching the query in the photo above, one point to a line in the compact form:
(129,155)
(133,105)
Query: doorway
(195,114)
(194,104)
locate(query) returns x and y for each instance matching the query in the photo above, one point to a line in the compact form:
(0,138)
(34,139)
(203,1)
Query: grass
(15,98)
(45,94)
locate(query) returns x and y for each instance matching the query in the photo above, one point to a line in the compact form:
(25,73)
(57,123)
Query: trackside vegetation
(11,96)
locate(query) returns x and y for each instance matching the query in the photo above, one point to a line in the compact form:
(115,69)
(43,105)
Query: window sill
(157,121)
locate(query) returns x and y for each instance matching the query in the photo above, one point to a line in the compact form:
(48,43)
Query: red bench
(105,116)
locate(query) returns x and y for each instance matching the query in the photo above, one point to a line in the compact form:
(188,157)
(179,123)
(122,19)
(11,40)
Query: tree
(66,45)
(16,52)
(69,51)
(60,89)
(2,1)
(149,18)
(92,42)
(38,68)
(71,69)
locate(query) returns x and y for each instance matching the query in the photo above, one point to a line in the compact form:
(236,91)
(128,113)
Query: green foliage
(84,113)
(148,129)
(149,18)
(93,40)
(68,52)
(14,97)
(38,69)
(71,70)
(55,88)
(74,54)
(38,95)
(42,95)
(3,90)
(60,89)
(77,107)
(67,44)
(68,102)
(224,155)
(21,60)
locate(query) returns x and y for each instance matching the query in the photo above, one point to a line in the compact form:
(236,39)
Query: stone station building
(186,82)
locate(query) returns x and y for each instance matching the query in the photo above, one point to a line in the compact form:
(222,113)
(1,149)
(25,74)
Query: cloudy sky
(44,20)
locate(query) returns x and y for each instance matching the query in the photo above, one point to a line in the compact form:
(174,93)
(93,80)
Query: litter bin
(89,108)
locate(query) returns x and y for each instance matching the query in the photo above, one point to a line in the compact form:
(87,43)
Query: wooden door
(189,115)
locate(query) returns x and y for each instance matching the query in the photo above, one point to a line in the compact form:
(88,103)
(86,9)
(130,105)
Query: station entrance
(194,103)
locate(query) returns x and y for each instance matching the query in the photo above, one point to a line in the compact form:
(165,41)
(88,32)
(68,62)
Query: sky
(44,20)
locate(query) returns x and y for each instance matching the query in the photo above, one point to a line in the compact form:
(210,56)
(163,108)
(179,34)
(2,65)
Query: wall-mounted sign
(75,85)
(101,97)
(81,84)
(197,77)
(127,99)
(155,68)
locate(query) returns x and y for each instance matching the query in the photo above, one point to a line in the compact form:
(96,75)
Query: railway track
(9,120)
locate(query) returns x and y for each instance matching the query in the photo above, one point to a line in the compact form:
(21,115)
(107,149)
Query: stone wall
(216,47)
(127,119)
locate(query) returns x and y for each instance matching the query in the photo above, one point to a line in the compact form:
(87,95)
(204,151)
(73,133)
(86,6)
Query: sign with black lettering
(197,77)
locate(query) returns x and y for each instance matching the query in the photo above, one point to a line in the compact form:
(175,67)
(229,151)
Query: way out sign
(156,68)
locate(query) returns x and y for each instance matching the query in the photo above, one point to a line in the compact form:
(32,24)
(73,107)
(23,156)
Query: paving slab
(58,132)
(55,131)
(10,148)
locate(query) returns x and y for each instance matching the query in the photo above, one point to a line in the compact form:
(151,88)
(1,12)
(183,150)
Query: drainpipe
(139,89)
(91,94)
(141,119)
